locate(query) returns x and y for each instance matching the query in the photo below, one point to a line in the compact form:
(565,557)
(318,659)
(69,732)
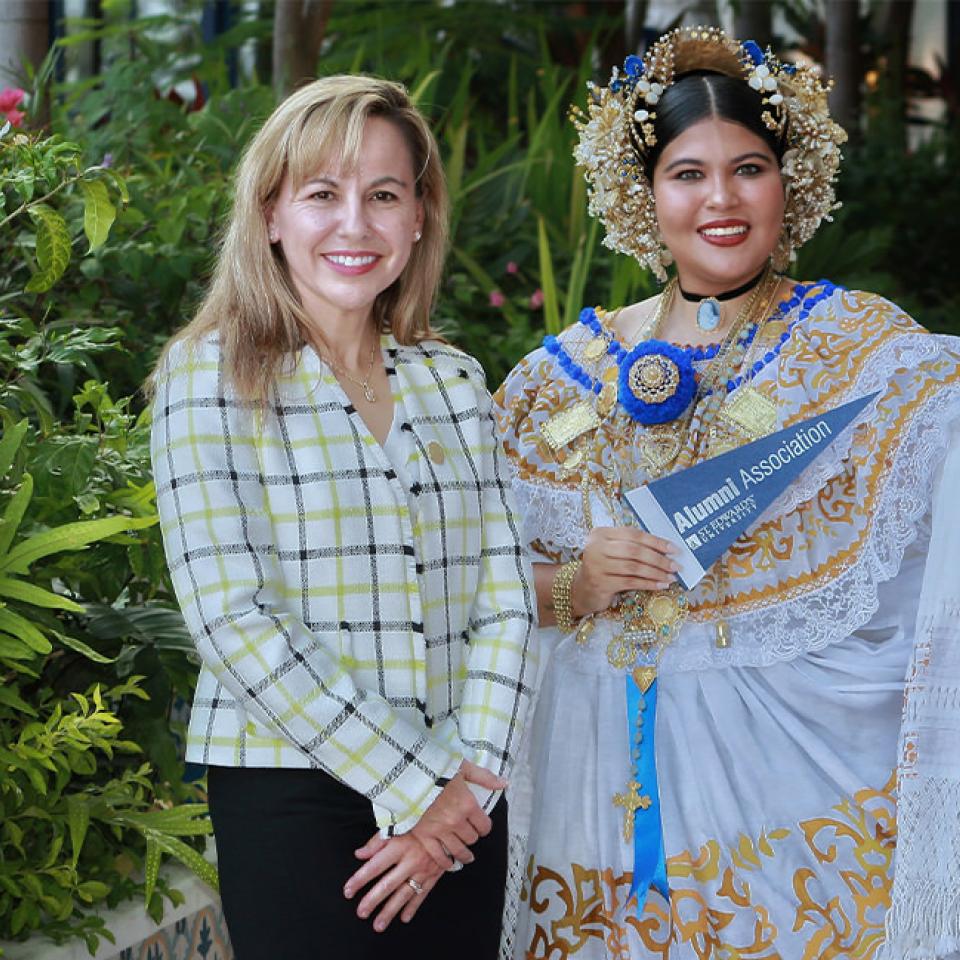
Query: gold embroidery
(716,909)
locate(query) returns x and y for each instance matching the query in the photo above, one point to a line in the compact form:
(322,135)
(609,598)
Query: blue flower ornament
(656,382)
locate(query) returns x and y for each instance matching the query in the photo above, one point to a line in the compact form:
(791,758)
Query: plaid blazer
(336,629)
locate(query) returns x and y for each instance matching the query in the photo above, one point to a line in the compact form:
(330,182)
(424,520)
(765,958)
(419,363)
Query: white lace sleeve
(923,922)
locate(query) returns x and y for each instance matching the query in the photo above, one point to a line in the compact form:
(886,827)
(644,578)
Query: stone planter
(193,931)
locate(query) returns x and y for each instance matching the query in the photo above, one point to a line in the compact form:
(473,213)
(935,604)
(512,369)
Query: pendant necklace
(363,384)
(708,307)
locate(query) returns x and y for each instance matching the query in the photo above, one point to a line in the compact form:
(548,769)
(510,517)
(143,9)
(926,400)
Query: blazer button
(435,452)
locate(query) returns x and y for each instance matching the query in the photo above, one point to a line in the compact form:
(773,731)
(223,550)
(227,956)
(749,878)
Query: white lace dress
(777,756)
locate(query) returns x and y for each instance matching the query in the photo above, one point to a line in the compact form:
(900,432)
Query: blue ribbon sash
(649,860)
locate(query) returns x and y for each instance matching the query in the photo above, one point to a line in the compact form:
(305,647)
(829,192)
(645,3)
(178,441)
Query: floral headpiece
(618,130)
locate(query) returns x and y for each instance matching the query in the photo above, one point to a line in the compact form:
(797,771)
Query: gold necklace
(364,384)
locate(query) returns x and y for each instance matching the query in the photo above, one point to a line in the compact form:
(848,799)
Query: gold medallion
(607,399)
(721,441)
(751,412)
(643,677)
(662,609)
(621,651)
(653,378)
(572,463)
(564,427)
(595,349)
(659,447)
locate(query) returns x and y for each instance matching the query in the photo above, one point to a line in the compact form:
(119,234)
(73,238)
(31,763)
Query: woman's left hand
(395,861)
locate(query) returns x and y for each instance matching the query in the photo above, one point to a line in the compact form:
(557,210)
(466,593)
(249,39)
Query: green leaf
(78,817)
(69,536)
(14,513)
(10,444)
(80,647)
(24,630)
(417,95)
(189,857)
(30,593)
(13,649)
(185,820)
(53,248)
(10,698)
(551,310)
(98,212)
(151,867)
(91,890)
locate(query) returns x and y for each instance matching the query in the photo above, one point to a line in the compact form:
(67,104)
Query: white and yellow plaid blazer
(336,629)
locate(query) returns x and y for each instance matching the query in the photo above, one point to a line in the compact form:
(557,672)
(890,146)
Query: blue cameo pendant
(708,314)
(656,382)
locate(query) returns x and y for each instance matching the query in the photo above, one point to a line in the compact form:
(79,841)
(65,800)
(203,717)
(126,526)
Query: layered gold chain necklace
(652,620)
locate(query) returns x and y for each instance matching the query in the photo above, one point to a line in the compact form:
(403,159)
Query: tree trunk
(263,56)
(843,63)
(702,13)
(895,21)
(635,16)
(754,21)
(298,29)
(24,37)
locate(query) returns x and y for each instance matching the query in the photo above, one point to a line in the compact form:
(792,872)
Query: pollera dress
(780,756)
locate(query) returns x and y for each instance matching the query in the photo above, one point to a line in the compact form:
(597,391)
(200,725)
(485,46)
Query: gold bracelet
(562,593)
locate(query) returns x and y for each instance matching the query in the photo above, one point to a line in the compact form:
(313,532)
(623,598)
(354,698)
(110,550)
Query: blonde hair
(251,302)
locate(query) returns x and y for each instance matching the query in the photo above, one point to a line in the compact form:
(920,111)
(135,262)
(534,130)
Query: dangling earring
(416,237)
(784,251)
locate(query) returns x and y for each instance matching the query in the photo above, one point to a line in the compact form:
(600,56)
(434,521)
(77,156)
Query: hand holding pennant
(704,508)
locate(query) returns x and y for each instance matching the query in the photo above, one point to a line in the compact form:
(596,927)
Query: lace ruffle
(793,626)
(811,621)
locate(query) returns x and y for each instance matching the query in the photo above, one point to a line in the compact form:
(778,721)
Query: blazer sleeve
(219,544)
(502,663)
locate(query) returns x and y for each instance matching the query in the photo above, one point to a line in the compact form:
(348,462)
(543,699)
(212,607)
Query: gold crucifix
(631,801)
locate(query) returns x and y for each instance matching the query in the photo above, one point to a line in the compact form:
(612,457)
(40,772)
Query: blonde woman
(339,532)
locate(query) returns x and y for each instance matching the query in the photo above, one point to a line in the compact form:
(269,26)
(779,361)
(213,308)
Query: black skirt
(285,847)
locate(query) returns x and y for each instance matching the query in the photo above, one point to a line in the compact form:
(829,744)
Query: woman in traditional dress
(340,536)
(715,773)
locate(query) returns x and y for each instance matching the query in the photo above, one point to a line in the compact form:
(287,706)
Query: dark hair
(701,95)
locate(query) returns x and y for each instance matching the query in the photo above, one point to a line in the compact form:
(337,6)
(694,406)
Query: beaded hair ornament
(619,128)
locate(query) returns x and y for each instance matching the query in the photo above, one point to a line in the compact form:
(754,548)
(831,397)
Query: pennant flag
(704,508)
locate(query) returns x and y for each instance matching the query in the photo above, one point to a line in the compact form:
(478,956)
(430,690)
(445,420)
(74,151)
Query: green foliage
(92,652)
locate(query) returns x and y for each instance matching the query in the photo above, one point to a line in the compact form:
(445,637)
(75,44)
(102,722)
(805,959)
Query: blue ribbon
(649,860)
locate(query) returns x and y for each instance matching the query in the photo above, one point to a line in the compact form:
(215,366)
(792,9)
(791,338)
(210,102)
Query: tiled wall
(201,936)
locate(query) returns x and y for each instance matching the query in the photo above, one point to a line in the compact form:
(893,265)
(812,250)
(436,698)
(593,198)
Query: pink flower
(536,299)
(497,299)
(512,267)
(10,97)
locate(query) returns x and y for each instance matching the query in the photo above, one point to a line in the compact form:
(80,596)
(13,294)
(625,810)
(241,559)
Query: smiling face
(720,201)
(346,235)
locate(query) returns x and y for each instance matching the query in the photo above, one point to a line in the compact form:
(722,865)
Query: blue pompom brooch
(657,382)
